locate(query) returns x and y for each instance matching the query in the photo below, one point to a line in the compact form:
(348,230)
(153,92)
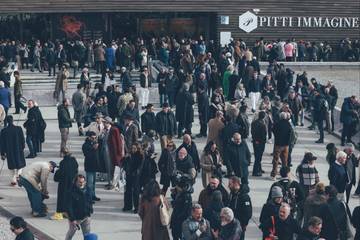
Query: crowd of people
(235,103)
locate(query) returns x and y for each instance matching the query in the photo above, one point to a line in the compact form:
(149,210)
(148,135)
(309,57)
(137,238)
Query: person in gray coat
(78,103)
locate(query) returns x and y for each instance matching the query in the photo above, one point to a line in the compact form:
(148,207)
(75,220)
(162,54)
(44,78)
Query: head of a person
(292,94)
(331,192)
(216,197)
(107,122)
(196,212)
(284,116)
(66,102)
(315,225)
(149,107)
(132,104)
(98,118)
(128,119)
(277,194)
(330,147)
(320,188)
(349,148)
(171,146)
(262,115)
(151,190)
(236,138)
(284,211)
(17,225)
(80,181)
(309,158)
(234,184)
(284,171)
(100,101)
(214,182)
(91,136)
(187,139)
(165,107)
(123,69)
(226,216)
(10,119)
(53,165)
(182,153)
(30,103)
(353,99)
(341,157)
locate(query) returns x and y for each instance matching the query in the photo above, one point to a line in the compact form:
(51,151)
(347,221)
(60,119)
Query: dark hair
(10,119)
(151,189)
(284,171)
(331,191)
(79,86)
(207,148)
(80,176)
(262,115)
(314,221)
(64,100)
(235,179)
(18,222)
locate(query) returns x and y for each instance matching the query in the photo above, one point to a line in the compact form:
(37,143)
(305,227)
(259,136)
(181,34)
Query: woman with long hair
(210,163)
(149,212)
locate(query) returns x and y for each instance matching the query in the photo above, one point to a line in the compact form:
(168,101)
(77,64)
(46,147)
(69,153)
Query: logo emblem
(248,22)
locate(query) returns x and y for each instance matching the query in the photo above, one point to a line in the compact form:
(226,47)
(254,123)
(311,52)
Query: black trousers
(181,127)
(51,67)
(320,124)
(18,104)
(258,153)
(347,192)
(132,192)
(346,133)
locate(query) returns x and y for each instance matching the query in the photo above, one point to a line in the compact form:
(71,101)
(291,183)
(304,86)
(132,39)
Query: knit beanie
(276,192)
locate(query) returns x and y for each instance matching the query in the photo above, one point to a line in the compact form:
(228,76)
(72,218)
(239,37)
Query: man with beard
(230,226)
(206,194)
(240,203)
(191,149)
(237,157)
(12,144)
(184,110)
(313,229)
(196,227)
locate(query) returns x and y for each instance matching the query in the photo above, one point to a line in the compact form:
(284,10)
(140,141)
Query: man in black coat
(203,109)
(148,119)
(258,133)
(165,125)
(184,110)
(125,79)
(191,149)
(171,86)
(313,229)
(19,227)
(321,108)
(12,144)
(79,207)
(65,176)
(348,116)
(35,127)
(205,196)
(240,203)
(237,157)
(282,134)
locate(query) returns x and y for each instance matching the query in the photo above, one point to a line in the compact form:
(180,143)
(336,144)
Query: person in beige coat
(210,163)
(215,126)
(2,116)
(61,84)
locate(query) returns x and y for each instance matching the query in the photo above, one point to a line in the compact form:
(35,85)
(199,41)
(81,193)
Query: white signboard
(225,38)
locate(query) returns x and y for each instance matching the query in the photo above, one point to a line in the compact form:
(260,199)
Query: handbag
(164,213)
(272,230)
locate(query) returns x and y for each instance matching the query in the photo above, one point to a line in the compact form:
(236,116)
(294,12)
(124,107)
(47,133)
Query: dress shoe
(126,209)
(319,141)
(259,174)
(38,215)
(30,156)
(96,198)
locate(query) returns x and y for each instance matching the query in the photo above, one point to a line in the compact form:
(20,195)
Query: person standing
(184,110)
(51,60)
(145,84)
(60,56)
(34,179)
(90,149)
(337,174)
(282,134)
(149,212)
(18,92)
(347,118)
(61,84)
(321,108)
(210,163)
(258,133)
(131,133)
(65,122)
(240,203)
(2,117)
(65,176)
(230,226)
(171,86)
(79,207)
(78,103)
(196,227)
(148,120)
(203,109)
(351,163)
(166,125)
(254,91)
(313,229)
(12,144)
(307,173)
(166,166)
(19,227)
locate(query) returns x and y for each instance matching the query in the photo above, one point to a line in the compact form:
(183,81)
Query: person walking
(145,85)
(151,204)
(5,97)
(347,118)
(65,122)
(12,144)
(65,176)
(79,207)
(166,125)
(34,179)
(18,93)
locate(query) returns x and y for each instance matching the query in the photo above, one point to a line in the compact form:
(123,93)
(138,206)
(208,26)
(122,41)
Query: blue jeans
(162,99)
(31,145)
(34,195)
(91,181)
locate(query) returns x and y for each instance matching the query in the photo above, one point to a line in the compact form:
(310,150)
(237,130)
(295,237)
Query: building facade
(309,20)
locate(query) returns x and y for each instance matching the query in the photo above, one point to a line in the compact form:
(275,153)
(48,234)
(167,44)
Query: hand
(202,227)
(96,145)
(215,233)
(74,223)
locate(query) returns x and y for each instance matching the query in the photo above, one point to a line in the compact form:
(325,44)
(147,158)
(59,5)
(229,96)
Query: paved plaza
(108,221)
